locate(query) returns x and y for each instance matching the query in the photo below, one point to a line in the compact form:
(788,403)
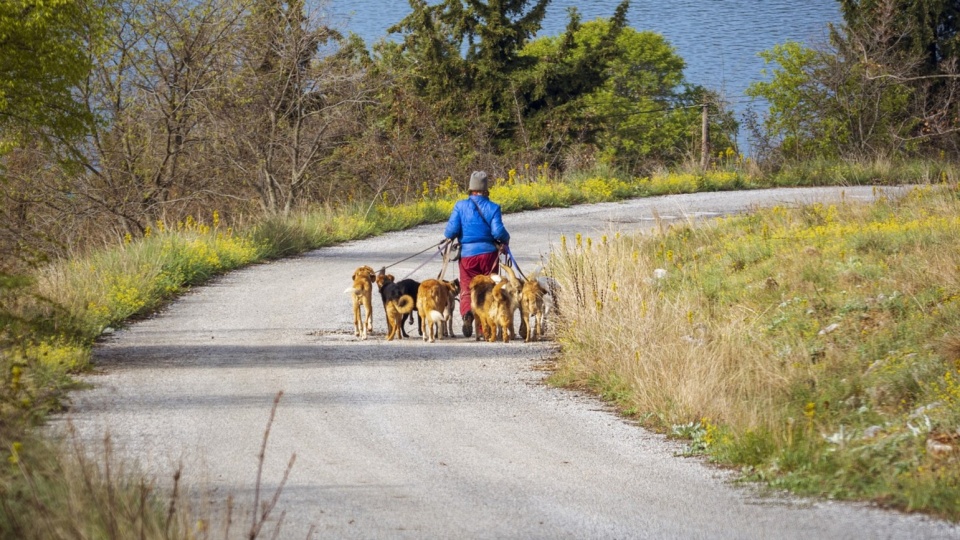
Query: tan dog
(505,301)
(435,300)
(455,297)
(396,309)
(481,291)
(493,302)
(532,305)
(361,294)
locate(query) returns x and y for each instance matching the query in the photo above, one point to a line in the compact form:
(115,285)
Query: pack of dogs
(494,299)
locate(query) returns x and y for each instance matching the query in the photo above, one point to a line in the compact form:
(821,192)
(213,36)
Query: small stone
(920,411)
(829,329)
(938,449)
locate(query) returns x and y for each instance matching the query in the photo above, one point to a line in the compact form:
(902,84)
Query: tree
(913,45)
(462,56)
(43,59)
(152,91)
(870,94)
(927,29)
(608,87)
(293,103)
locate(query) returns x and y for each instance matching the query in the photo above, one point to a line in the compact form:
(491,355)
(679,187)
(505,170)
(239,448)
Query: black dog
(390,290)
(409,286)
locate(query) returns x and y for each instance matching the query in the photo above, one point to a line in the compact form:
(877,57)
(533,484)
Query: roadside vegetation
(147,146)
(814,348)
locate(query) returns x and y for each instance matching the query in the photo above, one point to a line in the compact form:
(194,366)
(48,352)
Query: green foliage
(614,87)
(825,106)
(600,93)
(793,96)
(464,54)
(603,90)
(43,58)
(884,88)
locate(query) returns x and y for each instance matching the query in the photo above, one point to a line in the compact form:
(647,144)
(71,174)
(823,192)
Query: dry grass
(808,344)
(621,326)
(65,489)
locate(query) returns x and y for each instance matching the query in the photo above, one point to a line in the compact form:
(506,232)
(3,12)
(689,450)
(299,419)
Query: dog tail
(405,304)
(351,290)
(436,316)
(513,276)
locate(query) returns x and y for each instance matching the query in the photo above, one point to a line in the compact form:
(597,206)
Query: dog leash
(383,270)
(422,265)
(443,268)
(513,262)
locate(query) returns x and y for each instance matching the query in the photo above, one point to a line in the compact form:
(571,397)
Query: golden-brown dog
(396,309)
(435,300)
(455,287)
(493,302)
(481,289)
(361,293)
(532,305)
(505,301)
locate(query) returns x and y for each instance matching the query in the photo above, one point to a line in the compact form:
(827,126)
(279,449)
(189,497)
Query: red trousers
(485,263)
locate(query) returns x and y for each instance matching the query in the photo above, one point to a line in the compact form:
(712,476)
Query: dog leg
(368,307)
(356,318)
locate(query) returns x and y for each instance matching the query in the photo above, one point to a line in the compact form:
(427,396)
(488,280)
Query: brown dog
(505,301)
(532,305)
(396,309)
(435,300)
(493,301)
(455,287)
(361,294)
(481,289)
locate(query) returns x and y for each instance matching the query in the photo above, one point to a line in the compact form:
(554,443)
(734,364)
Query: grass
(817,348)
(52,318)
(55,491)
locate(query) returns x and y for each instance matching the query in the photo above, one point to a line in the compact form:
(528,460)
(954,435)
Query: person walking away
(477,223)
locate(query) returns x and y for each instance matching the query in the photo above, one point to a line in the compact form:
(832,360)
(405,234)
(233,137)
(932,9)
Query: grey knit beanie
(478,181)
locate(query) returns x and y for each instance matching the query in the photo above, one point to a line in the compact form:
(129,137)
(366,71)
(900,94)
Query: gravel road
(456,439)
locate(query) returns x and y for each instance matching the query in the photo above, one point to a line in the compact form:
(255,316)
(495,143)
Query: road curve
(456,439)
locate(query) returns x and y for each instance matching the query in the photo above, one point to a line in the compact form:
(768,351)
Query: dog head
(364,273)
(452,287)
(383,280)
(362,279)
(533,288)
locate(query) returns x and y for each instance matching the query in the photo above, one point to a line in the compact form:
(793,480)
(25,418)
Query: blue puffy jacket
(477,231)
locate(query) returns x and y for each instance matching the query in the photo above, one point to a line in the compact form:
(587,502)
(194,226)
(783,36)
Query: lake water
(718,39)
